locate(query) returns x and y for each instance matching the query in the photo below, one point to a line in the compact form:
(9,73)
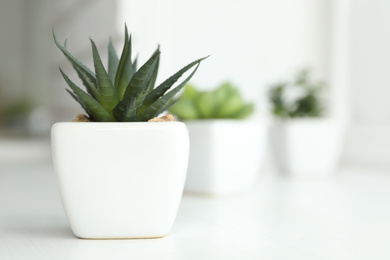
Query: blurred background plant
(299,98)
(14,116)
(223,102)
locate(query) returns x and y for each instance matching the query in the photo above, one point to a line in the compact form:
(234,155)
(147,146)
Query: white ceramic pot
(225,156)
(307,147)
(120,180)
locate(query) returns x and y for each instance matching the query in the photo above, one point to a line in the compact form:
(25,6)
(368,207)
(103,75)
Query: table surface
(343,217)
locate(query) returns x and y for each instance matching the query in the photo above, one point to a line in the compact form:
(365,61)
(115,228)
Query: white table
(346,217)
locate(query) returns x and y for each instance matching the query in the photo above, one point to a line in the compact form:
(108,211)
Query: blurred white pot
(120,180)
(307,147)
(225,155)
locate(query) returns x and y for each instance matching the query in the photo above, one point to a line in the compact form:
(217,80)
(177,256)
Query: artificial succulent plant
(123,93)
(223,102)
(306,102)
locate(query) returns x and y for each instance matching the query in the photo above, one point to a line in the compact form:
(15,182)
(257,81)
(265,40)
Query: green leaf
(245,111)
(231,106)
(113,61)
(154,76)
(190,92)
(93,107)
(78,101)
(135,63)
(167,84)
(88,80)
(138,85)
(125,68)
(223,102)
(156,108)
(222,93)
(206,104)
(184,109)
(107,94)
(76,63)
(89,85)
(126,110)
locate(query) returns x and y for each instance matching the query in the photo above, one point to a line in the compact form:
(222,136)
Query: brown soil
(166,118)
(82,118)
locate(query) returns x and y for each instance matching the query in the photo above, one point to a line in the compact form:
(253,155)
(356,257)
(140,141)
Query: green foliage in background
(123,93)
(223,102)
(15,112)
(307,104)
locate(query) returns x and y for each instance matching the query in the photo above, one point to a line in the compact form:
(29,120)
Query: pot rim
(117,123)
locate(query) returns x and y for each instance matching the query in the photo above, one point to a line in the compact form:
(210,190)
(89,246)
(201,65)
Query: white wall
(370,62)
(251,42)
(12,49)
(367,56)
(29,59)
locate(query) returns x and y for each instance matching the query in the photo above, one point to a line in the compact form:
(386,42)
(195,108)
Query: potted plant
(304,141)
(226,149)
(120,176)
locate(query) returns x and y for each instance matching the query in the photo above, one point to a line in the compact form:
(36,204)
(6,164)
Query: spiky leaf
(167,84)
(155,108)
(154,76)
(135,63)
(78,101)
(125,68)
(141,80)
(89,85)
(113,62)
(89,81)
(76,63)
(126,110)
(94,108)
(107,94)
